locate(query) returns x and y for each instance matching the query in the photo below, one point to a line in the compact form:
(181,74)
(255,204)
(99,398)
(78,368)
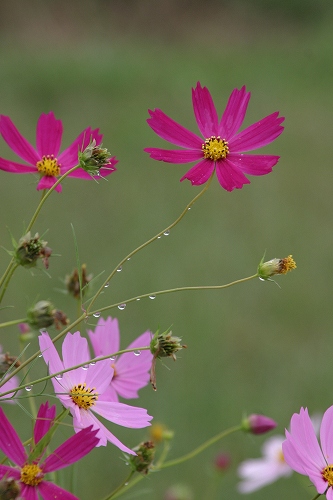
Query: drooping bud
(258,424)
(73,282)
(93,158)
(30,249)
(9,489)
(44,314)
(6,361)
(143,460)
(275,266)
(163,345)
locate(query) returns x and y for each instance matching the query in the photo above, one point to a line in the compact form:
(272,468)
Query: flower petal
(50,353)
(69,157)
(106,337)
(172,131)
(7,471)
(122,414)
(200,173)
(205,112)
(174,155)
(234,113)
(47,181)
(17,142)
(257,135)
(326,435)
(48,135)
(75,351)
(31,492)
(50,491)
(45,418)
(253,164)
(229,176)
(99,375)
(16,168)
(10,443)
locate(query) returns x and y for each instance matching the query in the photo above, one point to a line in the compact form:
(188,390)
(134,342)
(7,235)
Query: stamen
(328,474)
(31,474)
(286,264)
(215,148)
(84,397)
(48,165)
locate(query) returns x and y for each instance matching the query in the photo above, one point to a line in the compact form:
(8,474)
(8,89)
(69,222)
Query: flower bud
(6,361)
(30,249)
(43,314)
(222,461)
(9,489)
(258,424)
(93,158)
(143,460)
(159,433)
(73,282)
(275,266)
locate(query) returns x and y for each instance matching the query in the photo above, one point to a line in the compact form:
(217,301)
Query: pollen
(215,148)
(49,166)
(286,264)
(114,371)
(83,396)
(31,474)
(328,474)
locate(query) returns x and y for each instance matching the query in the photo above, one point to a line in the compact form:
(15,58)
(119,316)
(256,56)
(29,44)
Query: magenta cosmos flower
(84,390)
(221,146)
(303,454)
(29,472)
(45,160)
(131,370)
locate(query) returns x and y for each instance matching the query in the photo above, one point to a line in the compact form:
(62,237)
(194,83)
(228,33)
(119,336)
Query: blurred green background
(251,348)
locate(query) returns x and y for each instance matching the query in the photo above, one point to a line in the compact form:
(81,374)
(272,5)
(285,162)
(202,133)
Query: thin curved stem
(10,273)
(4,276)
(13,322)
(120,487)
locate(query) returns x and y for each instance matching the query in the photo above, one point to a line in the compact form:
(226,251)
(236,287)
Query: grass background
(252,348)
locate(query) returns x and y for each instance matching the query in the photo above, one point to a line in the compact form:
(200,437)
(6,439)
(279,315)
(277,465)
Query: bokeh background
(252,348)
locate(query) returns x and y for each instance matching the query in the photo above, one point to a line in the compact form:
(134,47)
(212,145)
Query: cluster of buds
(30,249)
(143,460)
(275,266)
(43,314)
(93,158)
(163,345)
(74,284)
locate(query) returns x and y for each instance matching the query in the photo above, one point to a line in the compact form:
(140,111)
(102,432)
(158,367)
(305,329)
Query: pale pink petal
(45,418)
(16,168)
(50,353)
(110,394)
(229,176)
(46,182)
(48,135)
(10,443)
(17,142)
(257,135)
(292,457)
(329,494)
(205,112)
(234,113)
(326,435)
(51,491)
(106,337)
(30,493)
(69,157)
(121,414)
(253,164)
(13,383)
(99,375)
(172,131)
(174,155)
(200,173)
(74,352)
(257,473)
(304,436)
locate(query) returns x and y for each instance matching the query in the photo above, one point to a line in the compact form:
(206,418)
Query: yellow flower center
(31,474)
(215,148)
(328,474)
(48,165)
(286,265)
(114,371)
(83,396)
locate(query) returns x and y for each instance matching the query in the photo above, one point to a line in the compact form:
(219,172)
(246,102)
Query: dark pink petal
(205,112)
(16,168)
(69,157)
(171,131)
(234,113)
(257,135)
(50,491)
(72,450)
(121,414)
(106,337)
(326,435)
(104,171)
(17,142)
(253,164)
(46,182)
(30,492)
(45,418)
(200,173)
(10,443)
(48,135)
(229,176)
(6,471)
(174,155)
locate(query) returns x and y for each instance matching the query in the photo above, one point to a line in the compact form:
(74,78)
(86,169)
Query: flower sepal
(93,158)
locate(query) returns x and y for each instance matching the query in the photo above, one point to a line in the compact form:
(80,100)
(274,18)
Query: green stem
(148,242)
(13,322)
(317,496)
(32,402)
(120,487)
(3,278)
(9,277)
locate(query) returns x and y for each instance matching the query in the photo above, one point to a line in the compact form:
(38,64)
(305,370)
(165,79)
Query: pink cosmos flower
(221,146)
(303,454)
(258,472)
(83,390)
(30,472)
(131,371)
(45,159)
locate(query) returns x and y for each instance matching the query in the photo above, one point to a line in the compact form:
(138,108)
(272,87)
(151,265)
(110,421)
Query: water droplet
(121,306)
(127,483)
(166,233)
(120,268)
(59,377)
(85,367)
(112,358)
(129,258)
(92,363)
(96,314)
(159,237)
(107,285)
(152,297)
(261,279)
(40,355)
(28,388)
(138,298)
(43,330)
(136,353)
(189,208)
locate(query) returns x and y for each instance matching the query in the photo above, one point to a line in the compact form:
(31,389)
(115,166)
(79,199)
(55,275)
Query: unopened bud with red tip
(275,266)
(163,345)
(44,314)
(143,460)
(258,424)
(30,249)
(73,282)
(94,157)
